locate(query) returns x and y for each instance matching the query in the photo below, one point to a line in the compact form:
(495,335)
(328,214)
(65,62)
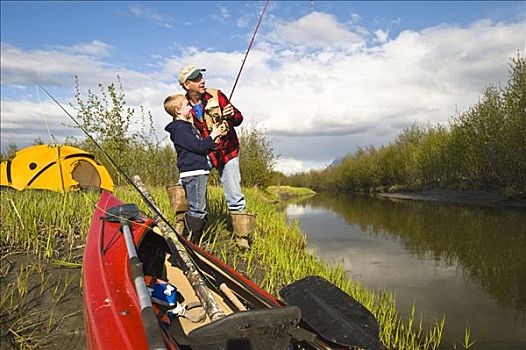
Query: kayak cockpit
(257,328)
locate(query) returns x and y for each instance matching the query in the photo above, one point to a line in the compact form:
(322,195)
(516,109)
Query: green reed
(27,318)
(44,222)
(34,221)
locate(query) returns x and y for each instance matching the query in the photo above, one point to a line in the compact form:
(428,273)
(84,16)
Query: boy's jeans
(195,188)
(231,181)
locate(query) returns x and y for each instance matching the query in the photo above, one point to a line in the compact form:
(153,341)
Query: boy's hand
(224,128)
(219,130)
(216,132)
(228,111)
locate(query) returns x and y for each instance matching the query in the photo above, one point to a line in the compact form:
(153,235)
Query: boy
(193,165)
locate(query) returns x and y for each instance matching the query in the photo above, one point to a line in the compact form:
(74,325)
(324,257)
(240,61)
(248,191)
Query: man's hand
(228,111)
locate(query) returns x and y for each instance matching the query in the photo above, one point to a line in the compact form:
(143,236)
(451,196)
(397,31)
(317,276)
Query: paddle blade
(334,315)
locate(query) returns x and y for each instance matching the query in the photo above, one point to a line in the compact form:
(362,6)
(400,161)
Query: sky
(322,79)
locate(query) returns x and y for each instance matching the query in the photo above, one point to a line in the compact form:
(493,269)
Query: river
(465,262)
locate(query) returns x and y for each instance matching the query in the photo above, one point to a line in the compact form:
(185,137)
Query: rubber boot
(179,204)
(243,227)
(194,227)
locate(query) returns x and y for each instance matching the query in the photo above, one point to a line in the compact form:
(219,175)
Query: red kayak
(139,294)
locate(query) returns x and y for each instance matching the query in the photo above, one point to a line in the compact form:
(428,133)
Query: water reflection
(466,262)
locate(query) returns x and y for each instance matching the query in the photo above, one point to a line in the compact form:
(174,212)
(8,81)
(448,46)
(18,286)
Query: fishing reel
(214,117)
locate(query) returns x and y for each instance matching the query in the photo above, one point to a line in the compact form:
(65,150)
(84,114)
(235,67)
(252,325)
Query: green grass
(278,192)
(52,227)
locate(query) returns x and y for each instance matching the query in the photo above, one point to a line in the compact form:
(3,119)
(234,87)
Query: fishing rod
(194,276)
(248,49)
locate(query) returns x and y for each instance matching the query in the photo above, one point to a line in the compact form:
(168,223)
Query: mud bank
(480,198)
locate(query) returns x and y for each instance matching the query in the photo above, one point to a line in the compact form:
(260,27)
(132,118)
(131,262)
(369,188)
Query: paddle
(320,301)
(125,214)
(332,314)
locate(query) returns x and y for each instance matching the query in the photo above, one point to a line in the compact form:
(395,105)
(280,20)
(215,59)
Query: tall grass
(42,222)
(34,221)
(285,192)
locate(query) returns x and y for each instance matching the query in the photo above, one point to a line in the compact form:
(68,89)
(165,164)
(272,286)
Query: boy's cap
(189,72)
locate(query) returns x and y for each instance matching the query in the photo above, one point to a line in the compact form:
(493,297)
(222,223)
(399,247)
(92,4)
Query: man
(211,107)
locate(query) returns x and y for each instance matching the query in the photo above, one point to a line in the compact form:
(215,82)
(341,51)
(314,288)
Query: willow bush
(105,115)
(482,147)
(256,158)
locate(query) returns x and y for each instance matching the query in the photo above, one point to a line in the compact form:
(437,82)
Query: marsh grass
(34,303)
(43,236)
(41,241)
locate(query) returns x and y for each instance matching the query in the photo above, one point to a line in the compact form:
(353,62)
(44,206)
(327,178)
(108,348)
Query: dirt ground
(41,304)
(480,198)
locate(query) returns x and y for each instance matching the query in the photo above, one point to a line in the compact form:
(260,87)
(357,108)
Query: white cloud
(59,67)
(243,21)
(159,19)
(20,67)
(93,48)
(316,30)
(355,17)
(24,121)
(416,76)
(222,15)
(381,35)
(313,83)
(289,165)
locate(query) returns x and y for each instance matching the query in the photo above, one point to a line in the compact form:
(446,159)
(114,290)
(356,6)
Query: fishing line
(112,162)
(54,141)
(248,49)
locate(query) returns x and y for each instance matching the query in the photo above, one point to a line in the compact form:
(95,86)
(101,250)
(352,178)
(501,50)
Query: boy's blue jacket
(191,148)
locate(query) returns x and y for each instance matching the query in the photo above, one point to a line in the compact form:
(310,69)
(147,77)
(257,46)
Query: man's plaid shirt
(228,146)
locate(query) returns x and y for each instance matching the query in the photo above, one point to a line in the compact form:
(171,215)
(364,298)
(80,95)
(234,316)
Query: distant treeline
(483,147)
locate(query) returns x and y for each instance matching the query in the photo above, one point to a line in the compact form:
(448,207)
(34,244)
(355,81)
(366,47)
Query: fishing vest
(212,113)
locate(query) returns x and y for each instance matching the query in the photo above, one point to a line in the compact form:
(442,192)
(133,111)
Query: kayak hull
(112,312)
(251,316)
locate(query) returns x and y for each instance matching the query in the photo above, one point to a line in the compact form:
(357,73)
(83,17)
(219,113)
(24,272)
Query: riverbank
(45,275)
(488,198)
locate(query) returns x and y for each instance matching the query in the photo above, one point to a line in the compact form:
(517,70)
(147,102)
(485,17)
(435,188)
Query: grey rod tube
(149,319)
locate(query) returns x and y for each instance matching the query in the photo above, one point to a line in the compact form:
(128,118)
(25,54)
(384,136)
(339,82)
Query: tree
(12,148)
(105,116)
(256,159)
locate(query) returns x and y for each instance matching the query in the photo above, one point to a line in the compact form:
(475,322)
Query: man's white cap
(189,72)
